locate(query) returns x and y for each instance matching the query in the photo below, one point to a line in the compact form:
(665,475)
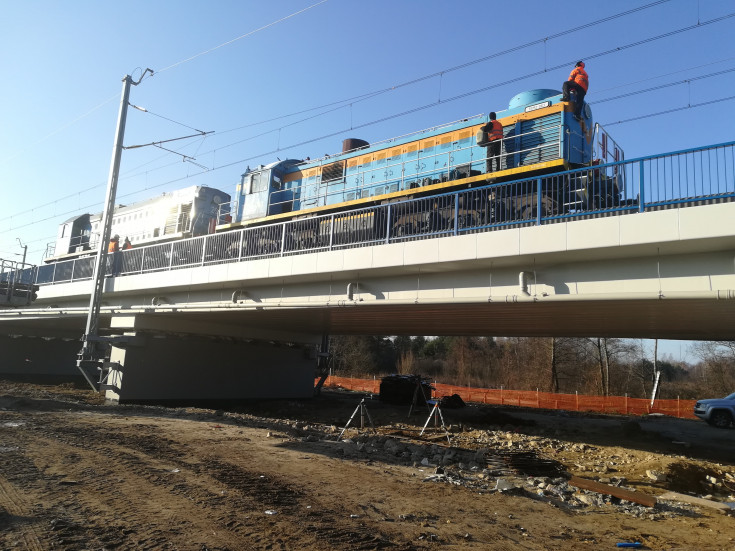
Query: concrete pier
(38,359)
(164,368)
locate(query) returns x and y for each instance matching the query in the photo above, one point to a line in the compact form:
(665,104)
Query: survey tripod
(436,413)
(419,390)
(362,408)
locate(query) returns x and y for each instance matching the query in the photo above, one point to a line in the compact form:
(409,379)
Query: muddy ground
(78,474)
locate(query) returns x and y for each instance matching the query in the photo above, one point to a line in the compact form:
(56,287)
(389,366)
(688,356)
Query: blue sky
(63,62)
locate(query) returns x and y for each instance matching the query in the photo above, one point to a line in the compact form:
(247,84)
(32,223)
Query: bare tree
(554,376)
(717,368)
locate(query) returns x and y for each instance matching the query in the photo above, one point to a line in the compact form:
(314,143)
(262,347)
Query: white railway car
(187,212)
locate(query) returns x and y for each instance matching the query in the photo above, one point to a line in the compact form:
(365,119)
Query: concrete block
(543,239)
(593,234)
(421,252)
(460,247)
(652,227)
(498,244)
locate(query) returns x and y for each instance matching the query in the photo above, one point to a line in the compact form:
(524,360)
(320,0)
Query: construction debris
(683,498)
(628,495)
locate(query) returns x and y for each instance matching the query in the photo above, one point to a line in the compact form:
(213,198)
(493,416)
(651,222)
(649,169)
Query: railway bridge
(191,320)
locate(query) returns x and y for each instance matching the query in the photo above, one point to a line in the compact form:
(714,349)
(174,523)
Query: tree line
(594,366)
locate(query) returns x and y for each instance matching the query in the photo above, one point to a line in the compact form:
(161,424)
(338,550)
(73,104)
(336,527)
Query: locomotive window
(258,182)
(335,171)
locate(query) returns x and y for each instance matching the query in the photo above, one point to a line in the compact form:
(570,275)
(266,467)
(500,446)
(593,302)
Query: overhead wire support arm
(158,143)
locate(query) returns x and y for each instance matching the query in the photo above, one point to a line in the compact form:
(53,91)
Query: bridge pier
(37,359)
(163,368)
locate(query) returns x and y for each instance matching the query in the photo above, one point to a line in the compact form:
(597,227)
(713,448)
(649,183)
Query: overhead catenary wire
(114,97)
(517,79)
(667,111)
(274,151)
(440,73)
(144,110)
(341,131)
(419,108)
(361,97)
(662,86)
(210,50)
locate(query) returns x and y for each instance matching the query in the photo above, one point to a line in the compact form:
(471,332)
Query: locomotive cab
(262,191)
(73,235)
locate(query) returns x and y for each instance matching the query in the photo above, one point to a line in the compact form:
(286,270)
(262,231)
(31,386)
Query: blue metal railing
(680,179)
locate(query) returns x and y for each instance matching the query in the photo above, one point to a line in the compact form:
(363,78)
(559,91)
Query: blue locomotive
(540,136)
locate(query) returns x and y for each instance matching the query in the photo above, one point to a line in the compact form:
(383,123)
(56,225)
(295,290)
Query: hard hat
(115,237)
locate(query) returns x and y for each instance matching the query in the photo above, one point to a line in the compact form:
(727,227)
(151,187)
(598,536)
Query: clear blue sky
(62,65)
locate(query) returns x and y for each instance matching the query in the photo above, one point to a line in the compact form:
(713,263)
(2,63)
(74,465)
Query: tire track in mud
(107,505)
(17,476)
(238,507)
(288,502)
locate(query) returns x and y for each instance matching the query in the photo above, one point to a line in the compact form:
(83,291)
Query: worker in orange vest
(495,138)
(578,83)
(114,245)
(114,249)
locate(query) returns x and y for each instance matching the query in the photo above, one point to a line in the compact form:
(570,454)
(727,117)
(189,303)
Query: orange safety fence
(535,399)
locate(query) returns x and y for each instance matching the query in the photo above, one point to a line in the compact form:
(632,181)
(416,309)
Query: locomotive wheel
(528,212)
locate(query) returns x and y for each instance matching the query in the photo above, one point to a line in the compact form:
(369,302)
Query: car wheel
(721,419)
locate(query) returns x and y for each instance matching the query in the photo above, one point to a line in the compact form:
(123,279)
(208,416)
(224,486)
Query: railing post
(142,258)
(641,188)
(171,257)
(538,201)
(283,238)
(204,249)
(331,231)
(387,224)
(456,213)
(239,246)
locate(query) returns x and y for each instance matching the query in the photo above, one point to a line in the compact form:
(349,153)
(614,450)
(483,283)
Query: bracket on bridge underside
(94,365)
(96,372)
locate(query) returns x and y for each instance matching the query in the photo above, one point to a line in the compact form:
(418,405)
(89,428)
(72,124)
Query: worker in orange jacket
(114,249)
(495,138)
(578,82)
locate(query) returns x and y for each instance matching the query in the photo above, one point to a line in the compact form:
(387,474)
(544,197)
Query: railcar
(541,136)
(187,212)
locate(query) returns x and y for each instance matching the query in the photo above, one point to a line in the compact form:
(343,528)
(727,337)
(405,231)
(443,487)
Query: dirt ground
(76,474)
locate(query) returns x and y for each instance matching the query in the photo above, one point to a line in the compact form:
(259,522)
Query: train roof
(183,192)
(75,218)
(518,104)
